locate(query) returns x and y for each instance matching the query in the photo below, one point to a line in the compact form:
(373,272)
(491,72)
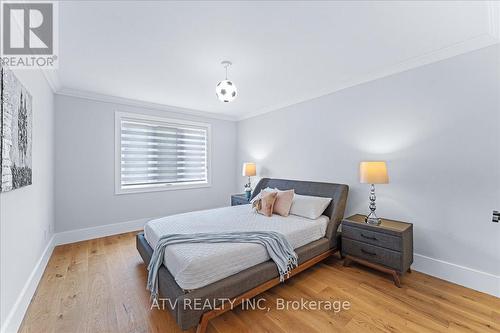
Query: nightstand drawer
(372,253)
(236,201)
(372,237)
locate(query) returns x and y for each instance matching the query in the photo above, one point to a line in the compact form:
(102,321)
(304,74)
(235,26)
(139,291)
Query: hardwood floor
(99,286)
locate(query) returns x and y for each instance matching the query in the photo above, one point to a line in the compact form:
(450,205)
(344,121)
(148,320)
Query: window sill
(160,188)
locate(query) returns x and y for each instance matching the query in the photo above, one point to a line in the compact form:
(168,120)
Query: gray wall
(27,214)
(85,169)
(437,126)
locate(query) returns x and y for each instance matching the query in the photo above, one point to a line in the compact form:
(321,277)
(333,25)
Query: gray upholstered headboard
(338,193)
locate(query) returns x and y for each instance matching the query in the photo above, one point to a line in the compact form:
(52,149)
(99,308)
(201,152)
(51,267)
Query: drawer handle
(368,237)
(368,252)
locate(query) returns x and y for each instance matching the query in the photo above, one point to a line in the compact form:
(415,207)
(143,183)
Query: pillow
(308,206)
(283,202)
(265,204)
(264,190)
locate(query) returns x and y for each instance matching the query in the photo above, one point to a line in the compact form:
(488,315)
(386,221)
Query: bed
(208,273)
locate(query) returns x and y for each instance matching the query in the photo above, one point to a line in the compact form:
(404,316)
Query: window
(155,154)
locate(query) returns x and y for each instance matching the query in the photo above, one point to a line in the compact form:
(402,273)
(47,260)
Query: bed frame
(257,279)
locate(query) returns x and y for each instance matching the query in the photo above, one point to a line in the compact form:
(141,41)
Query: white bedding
(197,265)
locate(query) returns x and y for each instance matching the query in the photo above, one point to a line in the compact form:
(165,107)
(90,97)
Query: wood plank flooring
(99,286)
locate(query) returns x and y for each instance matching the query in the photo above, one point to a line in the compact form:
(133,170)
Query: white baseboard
(465,276)
(78,235)
(468,277)
(16,314)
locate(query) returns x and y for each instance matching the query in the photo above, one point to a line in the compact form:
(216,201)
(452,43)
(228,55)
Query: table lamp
(249,170)
(373,172)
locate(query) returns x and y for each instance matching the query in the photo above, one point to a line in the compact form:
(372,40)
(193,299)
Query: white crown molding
(472,44)
(492,37)
(141,104)
(487,39)
(52,79)
(18,310)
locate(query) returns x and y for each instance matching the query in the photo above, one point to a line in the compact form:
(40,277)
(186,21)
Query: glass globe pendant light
(226,90)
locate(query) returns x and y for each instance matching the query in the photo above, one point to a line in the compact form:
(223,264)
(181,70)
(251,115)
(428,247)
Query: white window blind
(160,154)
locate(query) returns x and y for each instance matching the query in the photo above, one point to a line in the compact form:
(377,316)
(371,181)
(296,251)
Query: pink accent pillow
(266,203)
(283,202)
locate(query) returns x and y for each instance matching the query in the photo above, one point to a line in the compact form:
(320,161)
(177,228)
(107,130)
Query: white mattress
(197,265)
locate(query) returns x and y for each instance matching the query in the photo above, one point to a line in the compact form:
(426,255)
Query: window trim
(119,115)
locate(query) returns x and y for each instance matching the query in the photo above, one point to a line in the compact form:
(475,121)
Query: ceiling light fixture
(226,90)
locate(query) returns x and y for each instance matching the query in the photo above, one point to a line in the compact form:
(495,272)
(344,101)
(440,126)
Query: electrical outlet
(496,216)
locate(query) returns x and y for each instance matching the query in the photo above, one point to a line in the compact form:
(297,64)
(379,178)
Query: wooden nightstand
(239,199)
(387,247)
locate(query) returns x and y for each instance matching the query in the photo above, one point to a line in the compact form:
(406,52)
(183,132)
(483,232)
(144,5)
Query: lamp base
(248,188)
(248,194)
(372,219)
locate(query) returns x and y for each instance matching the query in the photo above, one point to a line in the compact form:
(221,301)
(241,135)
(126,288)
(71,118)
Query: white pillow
(308,206)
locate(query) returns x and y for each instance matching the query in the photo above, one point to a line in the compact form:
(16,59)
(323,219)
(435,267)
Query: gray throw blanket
(278,248)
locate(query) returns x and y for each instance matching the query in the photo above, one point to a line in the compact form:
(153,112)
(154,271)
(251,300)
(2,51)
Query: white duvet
(197,265)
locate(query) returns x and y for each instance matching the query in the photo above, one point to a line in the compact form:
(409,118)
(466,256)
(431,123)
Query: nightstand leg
(395,276)
(347,262)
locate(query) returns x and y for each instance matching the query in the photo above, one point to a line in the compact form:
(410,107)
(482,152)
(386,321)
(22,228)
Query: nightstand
(387,247)
(239,199)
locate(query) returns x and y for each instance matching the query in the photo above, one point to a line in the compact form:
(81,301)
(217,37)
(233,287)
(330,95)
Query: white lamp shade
(226,91)
(249,169)
(373,172)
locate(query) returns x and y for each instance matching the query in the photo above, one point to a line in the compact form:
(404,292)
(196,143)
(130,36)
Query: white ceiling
(283,52)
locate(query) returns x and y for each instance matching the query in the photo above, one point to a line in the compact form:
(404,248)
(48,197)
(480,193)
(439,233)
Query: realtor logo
(29,34)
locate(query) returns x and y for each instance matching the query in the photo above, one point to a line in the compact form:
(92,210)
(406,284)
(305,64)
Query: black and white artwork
(16,124)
